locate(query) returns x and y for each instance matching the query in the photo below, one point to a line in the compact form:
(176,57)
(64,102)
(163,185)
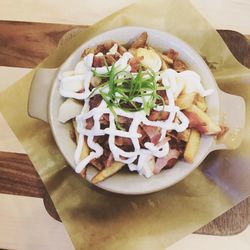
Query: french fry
(201,121)
(85,149)
(184,136)
(105,173)
(184,101)
(192,146)
(200,102)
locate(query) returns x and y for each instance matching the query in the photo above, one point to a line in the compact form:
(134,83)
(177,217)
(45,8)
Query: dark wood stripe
(18,176)
(24,44)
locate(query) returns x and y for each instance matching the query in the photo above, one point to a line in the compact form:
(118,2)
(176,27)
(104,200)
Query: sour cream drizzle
(176,120)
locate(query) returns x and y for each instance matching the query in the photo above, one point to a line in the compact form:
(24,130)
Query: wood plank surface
(25,45)
(222,14)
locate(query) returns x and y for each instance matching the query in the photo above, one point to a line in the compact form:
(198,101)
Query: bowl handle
(39,93)
(233,114)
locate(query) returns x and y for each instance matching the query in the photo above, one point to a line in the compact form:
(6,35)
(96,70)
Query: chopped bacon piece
(153,133)
(89,123)
(97,164)
(107,158)
(95,101)
(179,65)
(158,115)
(168,161)
(110,59)
(163,94)
(172,54)
(104,121)
(121,49)
(144,136)
(104,47)
(124,119)
(98,61)
(195,122)
(140,41)
(123,141)
(108,45)
(135,63)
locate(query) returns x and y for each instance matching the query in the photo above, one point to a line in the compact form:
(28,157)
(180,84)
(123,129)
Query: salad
(133,106)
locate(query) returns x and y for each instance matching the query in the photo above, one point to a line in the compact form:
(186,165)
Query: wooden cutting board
(25,45)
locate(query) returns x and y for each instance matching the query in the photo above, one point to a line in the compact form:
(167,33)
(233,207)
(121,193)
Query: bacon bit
(124,119)
(223,131)
(80,91)
(96,163)
(104,120)
(179,65)
(89,123)
(98,61)
(168,161)
(153,133)
(163,94)
(72,135)
(167,59)
(99,49)
(107,159)
(123,141)
(172,54)
(158,115)
(108,45)
(104,48)
(194,122)
(110,59)
(135,63)
(144,137)
(121,50)
(95,101)
(140,41)
(83,172)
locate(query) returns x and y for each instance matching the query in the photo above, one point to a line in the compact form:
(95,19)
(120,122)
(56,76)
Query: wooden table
(25,45)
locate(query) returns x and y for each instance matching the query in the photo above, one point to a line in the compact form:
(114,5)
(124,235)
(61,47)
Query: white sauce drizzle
(170,78)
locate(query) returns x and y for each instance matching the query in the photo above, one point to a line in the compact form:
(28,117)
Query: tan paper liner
(96,219)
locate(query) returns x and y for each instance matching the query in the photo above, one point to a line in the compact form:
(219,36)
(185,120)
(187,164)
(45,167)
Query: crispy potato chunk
(184,136)
(192,146)
(85,149)
(105,173)
(200,102)
(184,101)
(140,41)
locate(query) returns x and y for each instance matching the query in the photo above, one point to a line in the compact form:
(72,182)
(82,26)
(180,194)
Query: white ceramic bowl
(47,106)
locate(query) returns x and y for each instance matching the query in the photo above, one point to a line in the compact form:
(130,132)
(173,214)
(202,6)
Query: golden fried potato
(85,148)
(184,136)
(200,102)
(105,173)
(184,101)
(192,146)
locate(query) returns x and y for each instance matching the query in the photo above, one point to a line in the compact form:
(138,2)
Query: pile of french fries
(194,106)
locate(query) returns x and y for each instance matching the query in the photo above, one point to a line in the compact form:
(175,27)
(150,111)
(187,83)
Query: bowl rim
(130,29)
